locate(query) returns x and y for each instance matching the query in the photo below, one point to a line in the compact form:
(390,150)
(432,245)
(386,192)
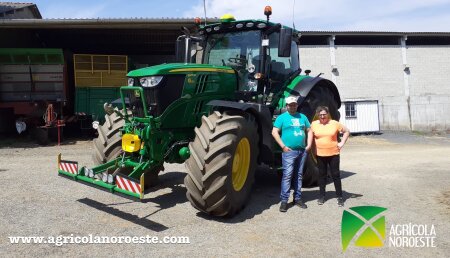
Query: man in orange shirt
(325,133)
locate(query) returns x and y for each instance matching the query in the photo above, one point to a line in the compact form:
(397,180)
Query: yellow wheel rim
(241,164)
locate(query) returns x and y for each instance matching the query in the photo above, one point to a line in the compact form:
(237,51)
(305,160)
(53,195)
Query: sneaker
(340,202)
(283,207)
(300,204)
(321,200)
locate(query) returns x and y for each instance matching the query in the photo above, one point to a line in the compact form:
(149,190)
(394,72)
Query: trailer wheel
(108,144)
(319,95)
(222,164)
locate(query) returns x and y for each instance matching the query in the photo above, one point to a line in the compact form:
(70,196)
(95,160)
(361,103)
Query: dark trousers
(333,162)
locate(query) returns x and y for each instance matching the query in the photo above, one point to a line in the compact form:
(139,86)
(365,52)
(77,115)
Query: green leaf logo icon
(363,225)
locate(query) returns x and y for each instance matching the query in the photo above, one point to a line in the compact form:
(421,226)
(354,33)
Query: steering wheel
(238,61)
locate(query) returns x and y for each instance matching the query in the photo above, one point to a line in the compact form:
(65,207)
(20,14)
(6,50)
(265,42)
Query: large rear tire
(319,95)
(108,144)
(222,164)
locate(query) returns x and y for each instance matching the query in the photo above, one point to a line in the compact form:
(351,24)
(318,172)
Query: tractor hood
(178,68)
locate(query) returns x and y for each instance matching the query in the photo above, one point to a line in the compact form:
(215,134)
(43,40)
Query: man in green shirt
(293,127)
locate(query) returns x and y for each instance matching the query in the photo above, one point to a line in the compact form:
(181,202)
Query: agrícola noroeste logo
(363,225)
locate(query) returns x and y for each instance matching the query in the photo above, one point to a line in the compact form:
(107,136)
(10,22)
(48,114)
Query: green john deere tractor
(214,114)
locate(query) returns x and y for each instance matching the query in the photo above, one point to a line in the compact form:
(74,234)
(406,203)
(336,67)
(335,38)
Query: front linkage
(124,175)
(106,176)
(145,148)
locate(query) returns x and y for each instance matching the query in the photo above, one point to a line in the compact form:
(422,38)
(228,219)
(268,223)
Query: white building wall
(418,99)
(430,87)
(316,59)
(430,70)
(375,72)
(369,71)
(430,112)
(394,113)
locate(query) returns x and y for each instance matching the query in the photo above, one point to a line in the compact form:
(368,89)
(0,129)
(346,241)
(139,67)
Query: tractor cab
(263,54)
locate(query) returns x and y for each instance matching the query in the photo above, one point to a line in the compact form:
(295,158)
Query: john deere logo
(363,225)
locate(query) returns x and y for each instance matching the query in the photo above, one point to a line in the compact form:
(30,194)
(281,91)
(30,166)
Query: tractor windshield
(238,50)
(235,49)
(241,51)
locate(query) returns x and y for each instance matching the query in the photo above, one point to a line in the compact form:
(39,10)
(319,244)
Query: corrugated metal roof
(155,23)
(161,23)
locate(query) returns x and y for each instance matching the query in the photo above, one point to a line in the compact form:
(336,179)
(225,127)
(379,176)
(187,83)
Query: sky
(334,15)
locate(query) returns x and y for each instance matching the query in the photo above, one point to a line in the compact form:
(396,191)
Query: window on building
(350,110)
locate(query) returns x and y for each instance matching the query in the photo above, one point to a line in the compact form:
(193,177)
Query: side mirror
(183,46)
(183,49)
(180,49)
(284,47)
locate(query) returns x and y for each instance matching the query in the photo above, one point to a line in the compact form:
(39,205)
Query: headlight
(130,81)
(150,81)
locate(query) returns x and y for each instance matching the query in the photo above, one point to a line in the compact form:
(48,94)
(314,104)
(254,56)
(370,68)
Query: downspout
(406,73)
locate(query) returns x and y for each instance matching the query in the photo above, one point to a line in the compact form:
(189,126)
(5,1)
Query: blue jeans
(293,163)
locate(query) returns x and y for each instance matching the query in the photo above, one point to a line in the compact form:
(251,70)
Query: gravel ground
(407,173)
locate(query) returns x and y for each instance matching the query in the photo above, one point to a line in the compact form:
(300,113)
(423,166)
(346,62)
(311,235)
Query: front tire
(222,164)
(108,144)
